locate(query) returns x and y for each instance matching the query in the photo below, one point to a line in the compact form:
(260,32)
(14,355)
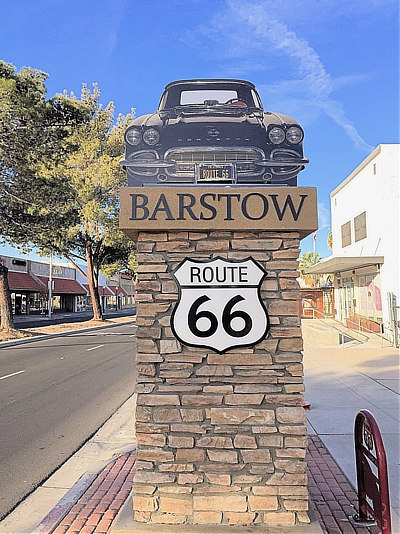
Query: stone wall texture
(221,437)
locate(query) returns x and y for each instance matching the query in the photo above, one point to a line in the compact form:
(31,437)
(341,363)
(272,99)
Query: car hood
(211,130)
(166,119)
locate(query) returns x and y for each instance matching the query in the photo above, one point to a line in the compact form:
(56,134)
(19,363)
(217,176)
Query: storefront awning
(336,264)
(65,285)
(23,282)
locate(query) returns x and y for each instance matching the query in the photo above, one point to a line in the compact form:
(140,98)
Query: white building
(365,228)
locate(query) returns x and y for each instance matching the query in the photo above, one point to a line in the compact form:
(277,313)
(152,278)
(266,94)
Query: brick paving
(97,508)
(333,496)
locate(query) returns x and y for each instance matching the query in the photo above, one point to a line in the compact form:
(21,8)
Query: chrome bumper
(284,163)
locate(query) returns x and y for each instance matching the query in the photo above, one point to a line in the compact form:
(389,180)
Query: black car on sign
(213,131)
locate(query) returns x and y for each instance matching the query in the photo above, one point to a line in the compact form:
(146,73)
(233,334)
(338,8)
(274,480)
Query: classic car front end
(213,131)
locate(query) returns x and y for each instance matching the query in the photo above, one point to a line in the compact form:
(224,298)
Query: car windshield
(216,96)
(207,95)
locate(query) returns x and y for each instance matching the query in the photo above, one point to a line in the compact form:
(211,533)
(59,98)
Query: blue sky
(330,64)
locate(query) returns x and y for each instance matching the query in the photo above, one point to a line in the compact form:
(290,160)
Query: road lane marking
(98,347)
(12,374)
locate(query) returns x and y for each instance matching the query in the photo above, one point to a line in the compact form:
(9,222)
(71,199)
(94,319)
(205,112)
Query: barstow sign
(218,208)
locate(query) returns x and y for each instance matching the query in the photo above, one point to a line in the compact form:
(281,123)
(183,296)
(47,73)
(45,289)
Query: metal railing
(369,331)
(338,327)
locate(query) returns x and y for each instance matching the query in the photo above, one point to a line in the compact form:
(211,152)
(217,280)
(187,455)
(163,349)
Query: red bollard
(373,487)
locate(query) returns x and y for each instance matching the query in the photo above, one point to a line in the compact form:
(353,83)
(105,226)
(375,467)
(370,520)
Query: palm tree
(307,260)
(329,240)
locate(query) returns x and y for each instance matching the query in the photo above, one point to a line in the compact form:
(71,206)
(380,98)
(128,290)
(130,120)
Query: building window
(374,168)
(346,234)
(360,227)
(22,263)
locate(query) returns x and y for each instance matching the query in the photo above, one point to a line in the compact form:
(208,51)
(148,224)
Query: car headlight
(294,135)
(133,136)
(276,135)
(151,136)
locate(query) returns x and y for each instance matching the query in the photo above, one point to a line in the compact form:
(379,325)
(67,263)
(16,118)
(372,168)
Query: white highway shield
(220,305)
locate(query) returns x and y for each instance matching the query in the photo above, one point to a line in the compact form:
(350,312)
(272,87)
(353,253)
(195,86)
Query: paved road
(54,394)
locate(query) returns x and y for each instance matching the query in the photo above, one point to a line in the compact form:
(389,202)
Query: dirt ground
(9,335)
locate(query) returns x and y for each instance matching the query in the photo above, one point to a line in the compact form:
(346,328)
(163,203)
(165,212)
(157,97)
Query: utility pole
(50,284)
(314,256)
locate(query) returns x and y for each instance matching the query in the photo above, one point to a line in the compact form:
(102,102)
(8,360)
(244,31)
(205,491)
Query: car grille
(187,159)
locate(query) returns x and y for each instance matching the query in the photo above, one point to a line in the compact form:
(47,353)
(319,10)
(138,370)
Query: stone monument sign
(219,421)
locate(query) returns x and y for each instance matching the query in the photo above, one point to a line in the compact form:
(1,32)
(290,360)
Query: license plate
(212,173)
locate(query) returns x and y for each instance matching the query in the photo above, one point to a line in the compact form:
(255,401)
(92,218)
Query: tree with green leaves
(95,176)
(59,174)
(33,130)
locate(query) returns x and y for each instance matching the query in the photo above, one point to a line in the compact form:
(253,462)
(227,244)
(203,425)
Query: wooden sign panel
(218,208)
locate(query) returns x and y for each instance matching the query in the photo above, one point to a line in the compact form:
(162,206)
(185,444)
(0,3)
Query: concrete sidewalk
(86,494)
(340,382)
(32,321)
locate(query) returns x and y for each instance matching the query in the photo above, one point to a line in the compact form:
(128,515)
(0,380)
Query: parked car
(213,131)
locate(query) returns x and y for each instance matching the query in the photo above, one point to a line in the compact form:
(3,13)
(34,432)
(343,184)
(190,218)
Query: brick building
(29,279)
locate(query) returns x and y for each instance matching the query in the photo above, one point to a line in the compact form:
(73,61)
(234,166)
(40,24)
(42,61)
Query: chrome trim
(145,167)
(230,156)
(294,165)
(287,151)
(145,163)
(272,163)
(238,157)
(214,149)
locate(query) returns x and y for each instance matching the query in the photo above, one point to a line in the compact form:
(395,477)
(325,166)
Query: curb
(50,522)
(64,505)
(5,344)
(49,519)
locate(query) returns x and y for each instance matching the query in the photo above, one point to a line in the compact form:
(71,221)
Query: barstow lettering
(209,205)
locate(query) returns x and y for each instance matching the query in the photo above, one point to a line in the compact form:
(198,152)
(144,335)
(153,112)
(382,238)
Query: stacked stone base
(221,438)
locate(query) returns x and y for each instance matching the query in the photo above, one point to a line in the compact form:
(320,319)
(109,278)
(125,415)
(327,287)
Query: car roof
(210,81)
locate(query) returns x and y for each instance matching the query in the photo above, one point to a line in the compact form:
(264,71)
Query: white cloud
(312,73)
(324,216)
(254,29)
(114,18)
(316,12)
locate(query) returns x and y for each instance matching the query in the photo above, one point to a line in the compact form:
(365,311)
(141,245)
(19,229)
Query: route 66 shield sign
(219,305)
